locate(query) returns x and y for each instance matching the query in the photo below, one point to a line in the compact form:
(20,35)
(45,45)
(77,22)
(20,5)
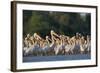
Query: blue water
(56,58)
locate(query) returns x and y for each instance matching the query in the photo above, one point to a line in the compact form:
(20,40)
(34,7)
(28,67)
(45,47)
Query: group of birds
(56,44)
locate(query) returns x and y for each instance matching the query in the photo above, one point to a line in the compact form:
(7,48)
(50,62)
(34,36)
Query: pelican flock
(56,44)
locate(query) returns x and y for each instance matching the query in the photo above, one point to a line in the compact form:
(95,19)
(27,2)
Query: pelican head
(28,35)
(26,38)
(47,37)
(35,34)
(52,31)
(82,37)
(31,37)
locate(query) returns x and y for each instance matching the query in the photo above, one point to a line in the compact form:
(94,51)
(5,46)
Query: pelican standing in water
(38,44)
(82,45)
(59,42)
(26,43)
(46,46)
(26,40)
(88,43)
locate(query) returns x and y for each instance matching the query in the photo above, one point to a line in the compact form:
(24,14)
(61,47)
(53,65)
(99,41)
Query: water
(56,58)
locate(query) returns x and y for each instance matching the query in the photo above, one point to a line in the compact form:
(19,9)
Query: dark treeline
(42,22)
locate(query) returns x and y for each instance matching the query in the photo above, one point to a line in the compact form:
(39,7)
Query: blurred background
(66,23)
